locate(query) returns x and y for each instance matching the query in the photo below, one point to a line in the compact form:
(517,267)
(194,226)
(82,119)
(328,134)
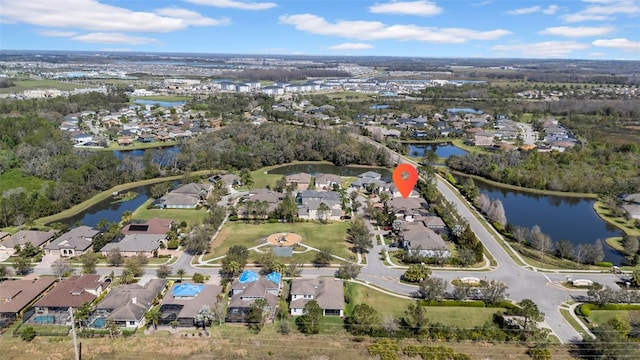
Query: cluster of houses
(142,123)
(47,301)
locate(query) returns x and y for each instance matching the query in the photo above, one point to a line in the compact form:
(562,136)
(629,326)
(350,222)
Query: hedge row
(585,309)
(468,303)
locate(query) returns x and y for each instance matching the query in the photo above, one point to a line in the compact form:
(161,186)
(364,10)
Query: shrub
(183,224)
(538,353)
(233,218)
(272,221)
(604,264)
(173,244)
(27,333)
(198,278)
(471,303)
(584,310)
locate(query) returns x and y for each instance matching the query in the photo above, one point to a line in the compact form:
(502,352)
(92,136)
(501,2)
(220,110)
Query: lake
(561,217)
(315,169)
(442,150)
(162,155)
(108,209)
(159,103)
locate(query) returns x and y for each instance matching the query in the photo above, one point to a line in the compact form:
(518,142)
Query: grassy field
(191,216)
(330,236)
(261,179)
(14,178)
(621,223)
(137,145)
(29,84)
(599,317)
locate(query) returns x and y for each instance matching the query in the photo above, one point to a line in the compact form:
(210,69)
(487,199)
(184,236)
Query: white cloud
(620,43)
(94,16)
(191,17)
(113,38)
(420,7)
(543,49)
(550,10)
(374,30)
(56,33)
(596,54)
(580,31)
(232,4)
(603,10)
(351,46)
(524,11)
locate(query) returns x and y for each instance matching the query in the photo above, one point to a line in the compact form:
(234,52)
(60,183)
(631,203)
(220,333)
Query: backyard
(320,236)
(191,216)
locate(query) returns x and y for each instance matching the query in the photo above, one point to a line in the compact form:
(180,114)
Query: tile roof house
(72,292)
(302,180)
(36,238)
(418,238)
(127,304)
(327,181)
(17,295)
(72,243)
(136,244)
(183,301)
(309,203)
(327,292)
(247,290)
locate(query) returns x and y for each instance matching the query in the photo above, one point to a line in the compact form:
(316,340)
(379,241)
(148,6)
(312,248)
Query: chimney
(134,300)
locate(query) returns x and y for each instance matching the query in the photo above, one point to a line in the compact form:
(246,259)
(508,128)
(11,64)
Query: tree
(310,321)
(197,278)
(163,271)
(215,216)
(293,269)
(323,258)
(61,267)
(89,261)
(21,265)
(462,291)
(219,311)
(27,333)
(416,273)
(529,310)
(245,178)
(520,234)
(256,316)
(113,328)
(432,288)
(565,249)
(415,317)
(322,212)
(363,320)
(494,292)
(348,271)
(466,256)
(115,257)
(359,235)
(204,317)
(126,216)
(601,295)
(81,314)
(390,325)
(230,269)
(135,265)
(630,244)
(496,212)
(4,272)
(197,242)
(540,241)
(181,273)
(153,317)
(127,276)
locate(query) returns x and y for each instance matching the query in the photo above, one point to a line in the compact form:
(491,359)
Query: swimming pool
(44,319)
(99,322)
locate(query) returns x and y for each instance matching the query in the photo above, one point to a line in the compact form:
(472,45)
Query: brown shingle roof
(327,292)
(15,295)
(36,238)
(73,292)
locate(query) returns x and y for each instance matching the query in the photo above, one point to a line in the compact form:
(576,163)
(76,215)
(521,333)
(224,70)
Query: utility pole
(73,333)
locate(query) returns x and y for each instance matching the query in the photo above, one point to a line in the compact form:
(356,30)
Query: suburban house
(182,303)
(272,198)
(631,205)
(187,196)
(229,180)
(17,295)
(72,243)
(418,238)
(302,180)
(327,181)
(71,292)
(309,205)
(248,289)
(327,292)
(368,178)
(127,304)
(435,223)
(395,192)
(483,138)
(409,209)
(38,239)
(136,244)
(155,226)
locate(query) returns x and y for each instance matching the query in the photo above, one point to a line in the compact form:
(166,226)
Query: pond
(561,217)
(442,150)
(315,169)
(160,155)
(109,209)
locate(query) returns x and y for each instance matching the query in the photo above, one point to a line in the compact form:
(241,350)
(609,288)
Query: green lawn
(191,216)
(330,236)
(137,145)
(14,178)
(599,317)
(28,84)
(389,305)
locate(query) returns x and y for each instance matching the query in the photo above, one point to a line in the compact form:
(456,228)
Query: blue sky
(585,29)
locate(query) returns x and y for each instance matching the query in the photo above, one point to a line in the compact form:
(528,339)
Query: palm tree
(153,317)
(181,272)
(126,216)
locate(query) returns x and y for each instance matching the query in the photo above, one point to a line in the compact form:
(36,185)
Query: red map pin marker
(405,176)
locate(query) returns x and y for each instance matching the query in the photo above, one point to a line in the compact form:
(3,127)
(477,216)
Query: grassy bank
(626,225)
(107,194)
(137,145)
(191,216)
